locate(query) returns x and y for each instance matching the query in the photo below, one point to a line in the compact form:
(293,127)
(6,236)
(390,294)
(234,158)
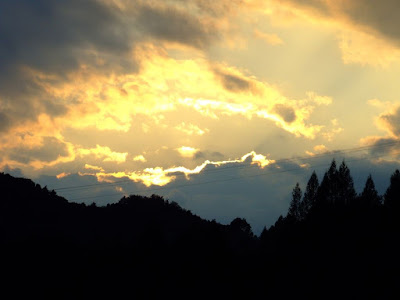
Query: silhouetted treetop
(369,196)
(327,192)
(241,225)
(392,194)
(310,195)
(346,191)
(295,204)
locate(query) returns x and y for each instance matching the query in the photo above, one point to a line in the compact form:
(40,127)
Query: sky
(221,106)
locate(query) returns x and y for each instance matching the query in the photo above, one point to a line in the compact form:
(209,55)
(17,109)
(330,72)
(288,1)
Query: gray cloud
(381,15)
(49,151)
(392,121)
(174,25)
(233,83)
(388,145)
(57,37)
(286,112)
(53,37)
(204,155)
(384,146)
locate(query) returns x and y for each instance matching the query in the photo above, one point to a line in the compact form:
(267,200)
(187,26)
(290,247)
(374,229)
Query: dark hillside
(138,245)
(333,243)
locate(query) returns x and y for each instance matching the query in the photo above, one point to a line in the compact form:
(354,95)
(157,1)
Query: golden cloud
(188,152)
(140,158)
(191,129)
(161,177)
(62,175)
(113,102)
(96,168)
(104,153)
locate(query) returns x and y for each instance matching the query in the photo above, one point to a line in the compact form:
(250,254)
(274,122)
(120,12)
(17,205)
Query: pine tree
(369,196)
(294,208)
(392,194)
(310,195)
(327,192)
(346,192)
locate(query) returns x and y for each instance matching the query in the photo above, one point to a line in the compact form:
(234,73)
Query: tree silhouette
(392,194)
(369,196)
(327,192)
(294,208)
(346,192)
(241,225)
(310,195)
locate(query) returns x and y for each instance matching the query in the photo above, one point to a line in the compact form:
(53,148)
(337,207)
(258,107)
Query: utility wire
(269,172)
(216,170)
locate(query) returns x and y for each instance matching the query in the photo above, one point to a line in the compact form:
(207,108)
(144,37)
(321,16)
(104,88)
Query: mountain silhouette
(333,243)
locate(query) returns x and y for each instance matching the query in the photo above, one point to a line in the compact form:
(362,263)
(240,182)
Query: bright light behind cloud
(160,176)
(156,91)
(185,151)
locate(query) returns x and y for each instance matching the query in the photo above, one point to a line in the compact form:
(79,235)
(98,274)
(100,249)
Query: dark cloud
(381,16)
(384,146)
(392,122)
(4,121)
(233,83)
(204,155)
(286,112)
(58,37)
(388,145)
(50,150)
(174,25)
(52,37)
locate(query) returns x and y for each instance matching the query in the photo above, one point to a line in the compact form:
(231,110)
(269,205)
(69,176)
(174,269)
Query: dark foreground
(147,247)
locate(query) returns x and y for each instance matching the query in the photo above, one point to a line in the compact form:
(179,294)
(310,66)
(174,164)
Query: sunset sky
(221,106)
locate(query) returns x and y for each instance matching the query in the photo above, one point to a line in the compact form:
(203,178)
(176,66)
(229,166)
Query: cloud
(391,122)
(210,155)
(174,25)
(140,158)
(369,15)
(233,82)
(50,150)
(386,147)
(286,112)
(161,177)
(318,149)
(44,44)
(188,152)
(230,190)
(96,168)
(368,30)
(43,41)
(191,129)
(62,175)
(270,38)
(104,153)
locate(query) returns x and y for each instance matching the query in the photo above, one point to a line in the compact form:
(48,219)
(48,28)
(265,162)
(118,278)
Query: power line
(215,181)
(343,151)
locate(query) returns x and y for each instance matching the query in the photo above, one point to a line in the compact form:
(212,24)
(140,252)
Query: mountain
(333,243)
(140,245)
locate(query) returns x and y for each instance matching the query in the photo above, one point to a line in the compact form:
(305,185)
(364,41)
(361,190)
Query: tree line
(337,189)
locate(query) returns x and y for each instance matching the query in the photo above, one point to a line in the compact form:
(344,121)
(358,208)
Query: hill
(140,245)
(331,244)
